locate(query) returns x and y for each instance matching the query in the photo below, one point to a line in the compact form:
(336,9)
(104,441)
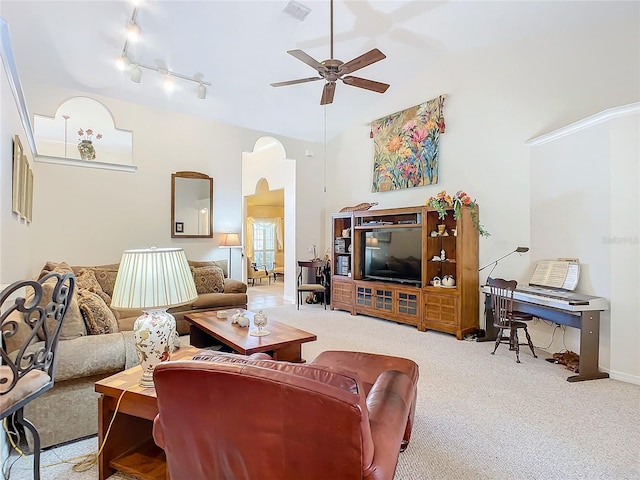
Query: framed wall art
(406,147)
(24,175)
(29,206)
(17,164)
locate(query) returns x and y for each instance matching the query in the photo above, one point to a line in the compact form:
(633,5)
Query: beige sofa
(70,410)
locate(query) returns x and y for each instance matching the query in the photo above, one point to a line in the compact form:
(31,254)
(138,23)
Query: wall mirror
(100,141)
(191,205)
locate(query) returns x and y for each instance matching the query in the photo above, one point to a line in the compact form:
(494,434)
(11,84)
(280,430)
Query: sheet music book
(557,274)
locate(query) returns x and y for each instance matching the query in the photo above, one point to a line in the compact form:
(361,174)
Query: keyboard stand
(587,321)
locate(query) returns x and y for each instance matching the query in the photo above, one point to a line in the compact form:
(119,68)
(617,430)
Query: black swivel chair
(505,318)
(28,372)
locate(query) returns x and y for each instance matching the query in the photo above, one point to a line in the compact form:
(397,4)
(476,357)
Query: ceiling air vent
(297,10)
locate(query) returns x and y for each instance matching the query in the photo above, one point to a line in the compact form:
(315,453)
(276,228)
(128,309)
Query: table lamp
(153,280)
(230,240)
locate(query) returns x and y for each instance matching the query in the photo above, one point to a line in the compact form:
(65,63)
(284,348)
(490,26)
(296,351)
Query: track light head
(169,83)
(136,74)
(202,92)
(122,62)
(133,31)
(125,62)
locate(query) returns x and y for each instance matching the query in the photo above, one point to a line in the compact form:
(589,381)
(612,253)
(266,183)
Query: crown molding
(605,115)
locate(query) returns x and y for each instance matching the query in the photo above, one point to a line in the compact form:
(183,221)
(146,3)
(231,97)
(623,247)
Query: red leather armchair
(347,415)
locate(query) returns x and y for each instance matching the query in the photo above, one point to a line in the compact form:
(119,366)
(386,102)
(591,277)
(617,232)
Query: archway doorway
(267,174)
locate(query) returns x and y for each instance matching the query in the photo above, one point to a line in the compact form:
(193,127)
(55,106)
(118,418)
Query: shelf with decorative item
(85,147)
(444,204)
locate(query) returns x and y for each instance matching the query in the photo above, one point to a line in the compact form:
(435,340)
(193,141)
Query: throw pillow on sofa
(106,277)
(73,326)
(86,280)
(210,263)
(208,279)
(97,315)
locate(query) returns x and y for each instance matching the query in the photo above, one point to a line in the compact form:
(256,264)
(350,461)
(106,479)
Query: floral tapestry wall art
(406,149)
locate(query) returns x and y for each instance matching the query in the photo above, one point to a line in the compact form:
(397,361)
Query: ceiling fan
(333,70)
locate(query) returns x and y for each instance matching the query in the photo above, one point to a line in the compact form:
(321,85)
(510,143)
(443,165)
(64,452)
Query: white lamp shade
(153,278)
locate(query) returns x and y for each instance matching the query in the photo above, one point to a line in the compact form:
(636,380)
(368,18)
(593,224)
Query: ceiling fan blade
(293,82)
(327,93)
(303,57)
(366,84)
(372,56)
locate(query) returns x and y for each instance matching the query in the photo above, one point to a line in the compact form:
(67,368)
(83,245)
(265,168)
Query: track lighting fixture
(125,61)
(168,83)
(202,92)
(122,62)
(133,31)
(136,74)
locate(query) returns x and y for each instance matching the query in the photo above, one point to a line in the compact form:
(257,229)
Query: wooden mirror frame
(187,234)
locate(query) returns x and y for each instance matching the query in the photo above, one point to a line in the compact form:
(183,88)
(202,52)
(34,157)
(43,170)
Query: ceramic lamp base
(154,333)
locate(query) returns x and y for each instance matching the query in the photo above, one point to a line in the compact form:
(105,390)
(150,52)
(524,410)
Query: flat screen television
(393,255)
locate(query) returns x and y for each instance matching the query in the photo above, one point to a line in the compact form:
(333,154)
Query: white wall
(16,236)
(497,100)
(89,216)
(625,248)
(604,150)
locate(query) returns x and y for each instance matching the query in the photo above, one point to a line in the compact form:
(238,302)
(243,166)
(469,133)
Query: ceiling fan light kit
(125,62)
(332,70)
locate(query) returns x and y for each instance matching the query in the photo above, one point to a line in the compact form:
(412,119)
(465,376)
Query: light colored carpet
(478,416)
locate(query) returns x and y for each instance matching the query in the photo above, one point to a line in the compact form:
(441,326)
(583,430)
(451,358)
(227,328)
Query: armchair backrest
(254,270)
(261,419)
(44,310)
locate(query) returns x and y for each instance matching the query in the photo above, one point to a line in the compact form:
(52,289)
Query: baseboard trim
(623,377)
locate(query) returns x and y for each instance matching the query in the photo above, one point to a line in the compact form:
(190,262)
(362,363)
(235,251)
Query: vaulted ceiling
(240,48)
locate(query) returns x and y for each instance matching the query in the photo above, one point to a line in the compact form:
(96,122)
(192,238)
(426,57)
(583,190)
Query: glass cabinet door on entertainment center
(441,250)
(388,301)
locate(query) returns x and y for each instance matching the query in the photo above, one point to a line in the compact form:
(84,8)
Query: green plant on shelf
(443,202)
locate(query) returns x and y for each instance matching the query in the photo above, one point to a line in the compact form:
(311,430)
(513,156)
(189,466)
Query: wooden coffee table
(284,342)
(130,447)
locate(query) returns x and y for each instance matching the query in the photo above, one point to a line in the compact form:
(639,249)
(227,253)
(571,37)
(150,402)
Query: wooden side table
(129,447)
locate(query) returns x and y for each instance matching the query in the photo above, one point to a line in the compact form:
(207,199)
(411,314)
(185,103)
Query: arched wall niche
(57,137)
(266,167)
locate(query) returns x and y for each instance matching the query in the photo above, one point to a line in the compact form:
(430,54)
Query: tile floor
(264,295)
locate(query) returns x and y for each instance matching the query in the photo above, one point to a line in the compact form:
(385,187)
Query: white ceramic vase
(154,333)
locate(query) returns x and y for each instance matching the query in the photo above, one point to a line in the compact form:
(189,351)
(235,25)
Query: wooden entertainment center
(384,262)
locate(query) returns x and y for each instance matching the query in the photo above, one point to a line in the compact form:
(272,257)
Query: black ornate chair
(505,318)
(28,372)
(311,280)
